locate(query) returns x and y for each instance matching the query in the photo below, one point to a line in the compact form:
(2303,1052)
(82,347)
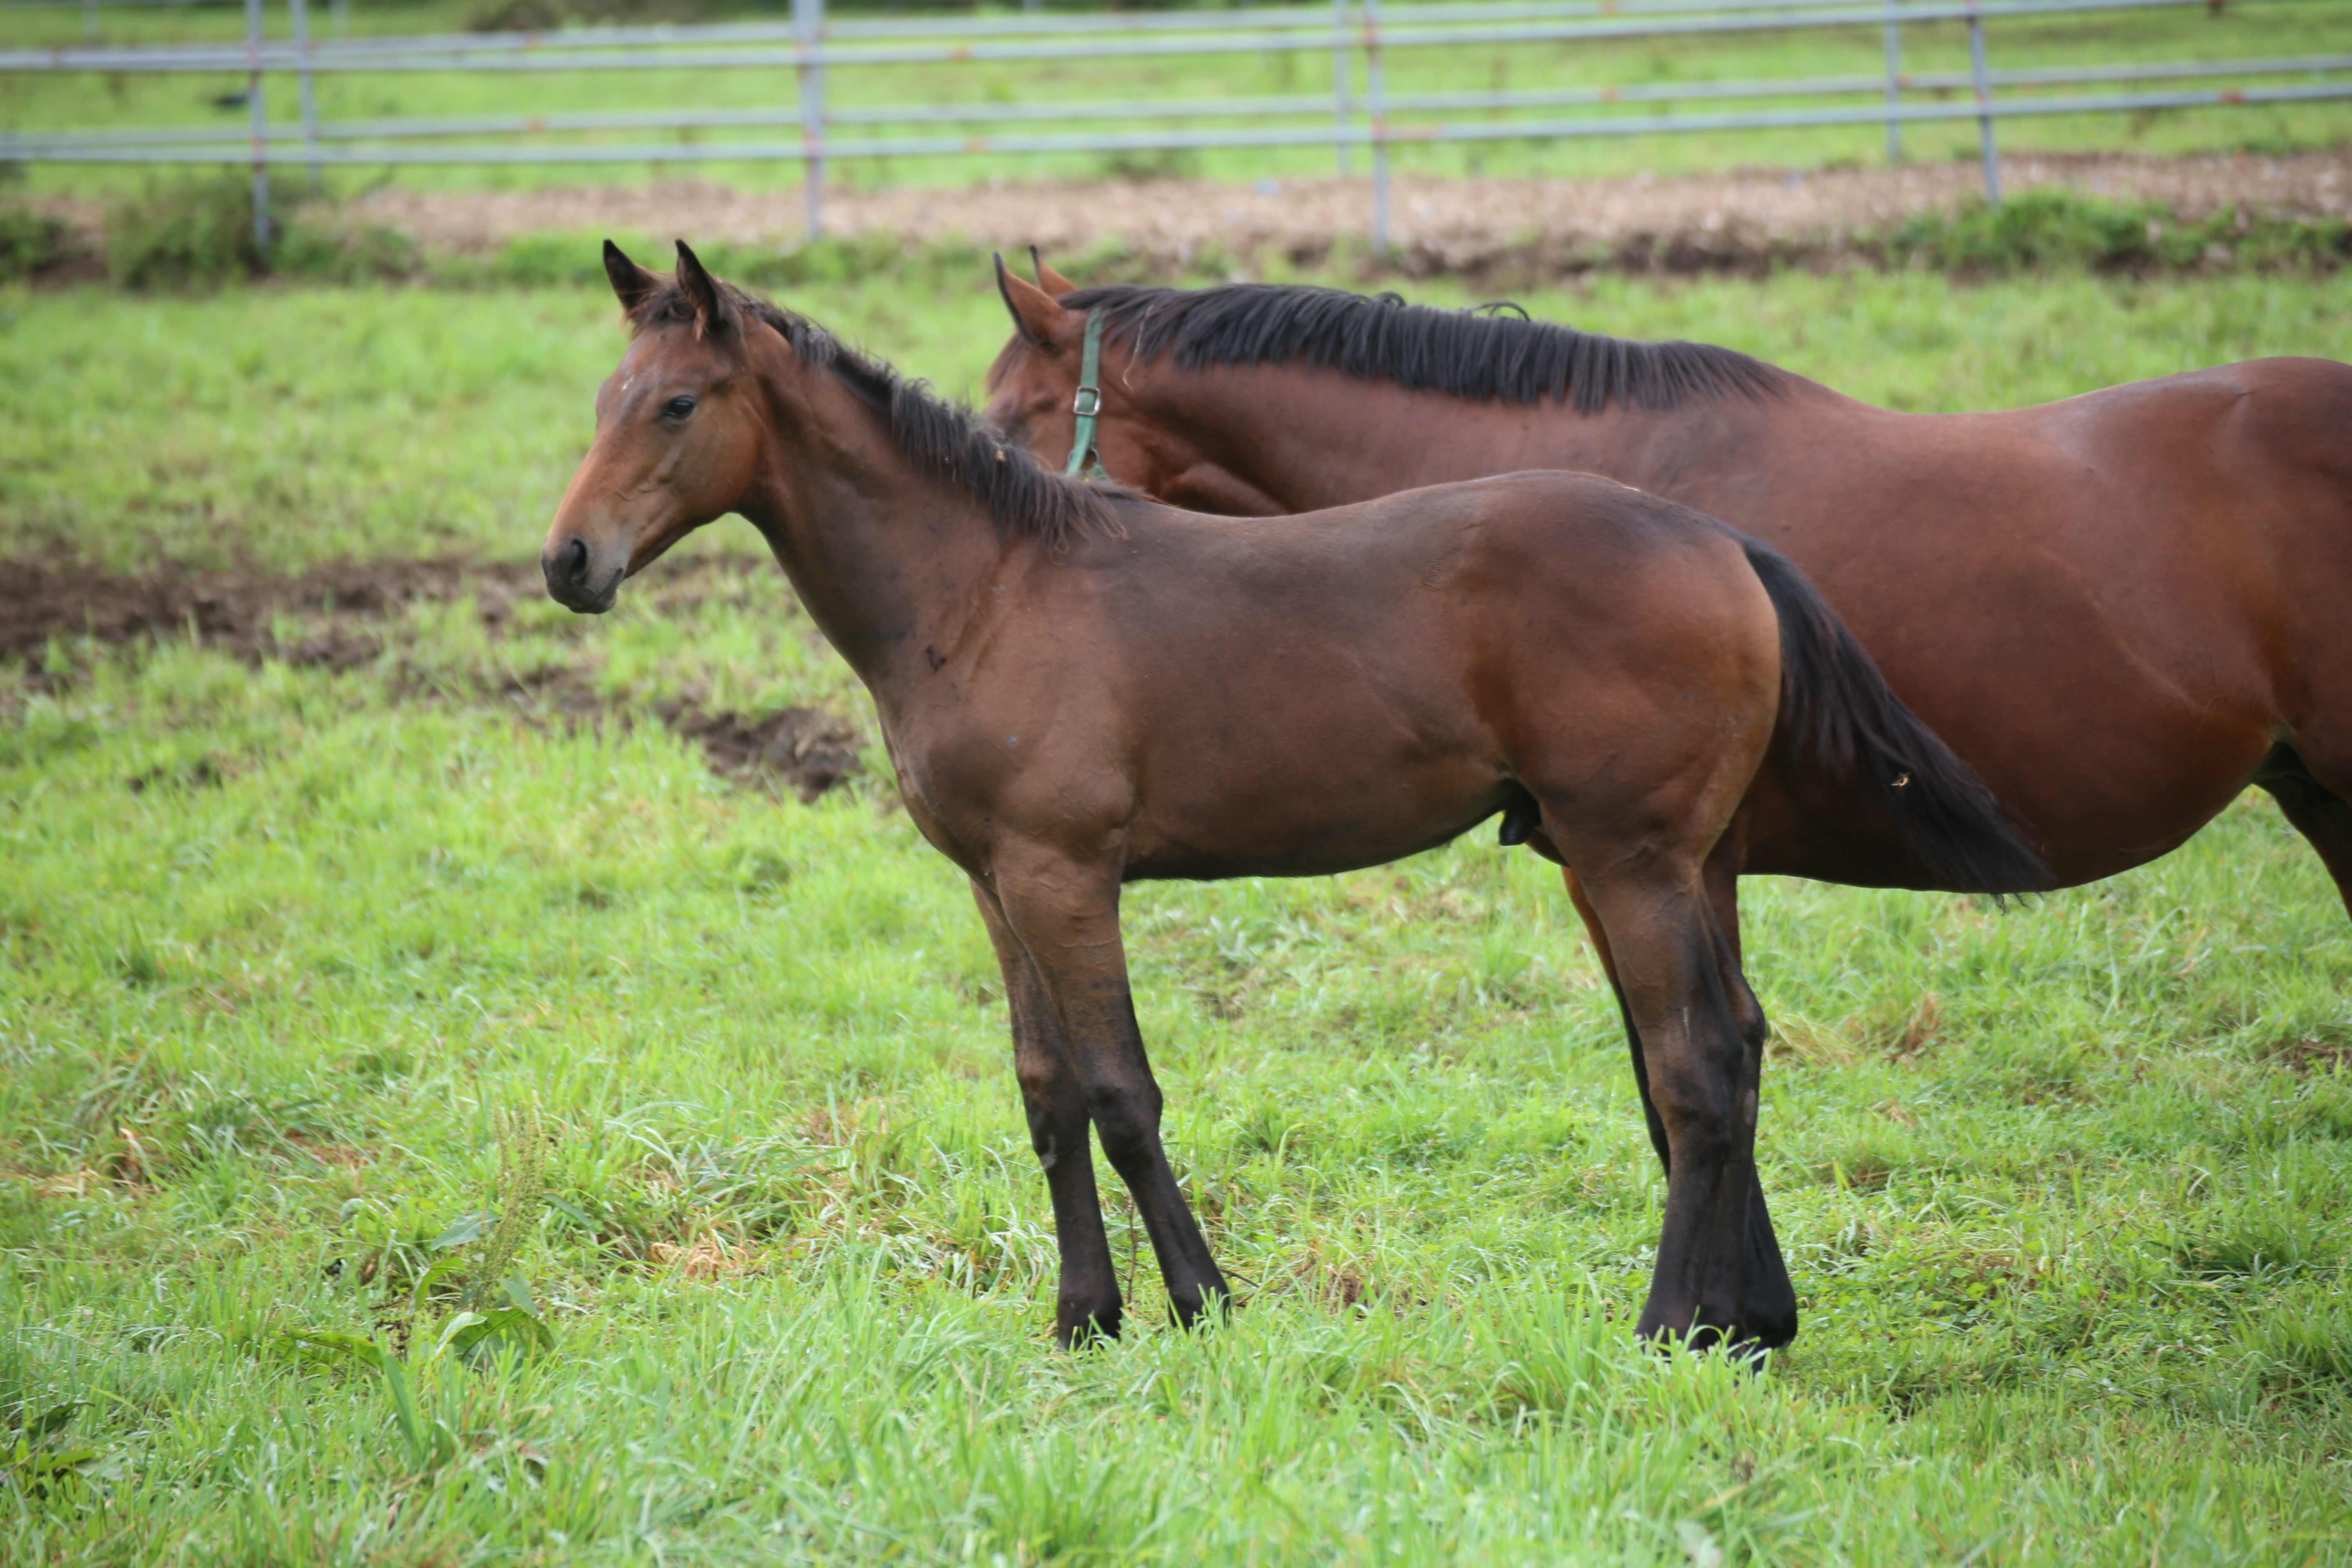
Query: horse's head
(1033,384)
(1148,432)
(678,433)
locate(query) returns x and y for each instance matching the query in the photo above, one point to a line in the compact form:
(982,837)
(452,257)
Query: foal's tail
(1838,720)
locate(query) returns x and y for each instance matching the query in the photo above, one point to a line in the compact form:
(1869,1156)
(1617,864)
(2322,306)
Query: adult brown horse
(1081,688)
(2122,608)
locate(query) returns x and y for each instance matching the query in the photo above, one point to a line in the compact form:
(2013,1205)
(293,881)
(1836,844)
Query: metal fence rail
(56,144)
(1358,113)
(752,45)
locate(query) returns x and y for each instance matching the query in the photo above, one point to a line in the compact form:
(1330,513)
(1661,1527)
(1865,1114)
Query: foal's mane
(936,436)
(1479,354)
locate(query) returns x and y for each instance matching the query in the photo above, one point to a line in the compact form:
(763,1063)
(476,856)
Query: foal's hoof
(1746,1343)
(1770,1332)
(1081,1330)
(1213,1306)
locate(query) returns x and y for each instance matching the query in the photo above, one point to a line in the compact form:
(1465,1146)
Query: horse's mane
(1479,354)
(937,436)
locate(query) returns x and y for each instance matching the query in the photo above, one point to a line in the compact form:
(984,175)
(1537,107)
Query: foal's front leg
(1066,916)
(1086,1303)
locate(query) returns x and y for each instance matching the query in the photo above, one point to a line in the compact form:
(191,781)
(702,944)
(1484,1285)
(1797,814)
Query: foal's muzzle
(573,579)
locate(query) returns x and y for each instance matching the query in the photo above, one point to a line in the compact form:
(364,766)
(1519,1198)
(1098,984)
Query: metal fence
(1358,113)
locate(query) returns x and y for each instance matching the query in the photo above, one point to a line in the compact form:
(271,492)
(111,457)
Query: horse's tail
(1840,724)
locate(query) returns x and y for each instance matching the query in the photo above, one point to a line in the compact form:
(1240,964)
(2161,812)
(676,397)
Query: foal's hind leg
(1088,1303)
(1671,962)
(2315,801)
(1600,935)
(1768,1307)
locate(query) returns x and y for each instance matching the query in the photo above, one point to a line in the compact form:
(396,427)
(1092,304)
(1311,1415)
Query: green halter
(1087,405)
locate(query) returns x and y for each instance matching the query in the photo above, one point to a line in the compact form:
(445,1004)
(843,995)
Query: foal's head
(679,431)
(727,403)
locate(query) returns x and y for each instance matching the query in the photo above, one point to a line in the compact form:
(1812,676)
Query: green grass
(2053,228)
(2249,29)
(280,948)
(2072,1279)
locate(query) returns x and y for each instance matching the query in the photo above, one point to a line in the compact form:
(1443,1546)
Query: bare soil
(1449,224)
(55,599)
(807,748)
(335,617)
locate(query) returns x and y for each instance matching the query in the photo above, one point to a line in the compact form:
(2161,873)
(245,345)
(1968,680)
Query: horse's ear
(1048,279)
(631,282)
(1034,311)
(712,311)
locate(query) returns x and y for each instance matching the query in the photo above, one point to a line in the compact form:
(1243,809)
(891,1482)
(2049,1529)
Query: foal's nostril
(568,567)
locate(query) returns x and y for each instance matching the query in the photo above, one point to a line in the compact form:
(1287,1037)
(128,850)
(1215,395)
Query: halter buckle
(1087,405)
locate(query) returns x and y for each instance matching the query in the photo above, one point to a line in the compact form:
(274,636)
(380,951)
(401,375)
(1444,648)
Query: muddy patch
(806,750)
(335,618)
(47,600)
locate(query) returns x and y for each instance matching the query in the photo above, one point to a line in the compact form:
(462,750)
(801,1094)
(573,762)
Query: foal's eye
(677,408)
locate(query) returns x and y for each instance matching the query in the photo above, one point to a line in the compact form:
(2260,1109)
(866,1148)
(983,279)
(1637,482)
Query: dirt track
(1449,223)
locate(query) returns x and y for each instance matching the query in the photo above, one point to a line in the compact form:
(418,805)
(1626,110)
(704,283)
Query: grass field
(290,960)
(2245,29)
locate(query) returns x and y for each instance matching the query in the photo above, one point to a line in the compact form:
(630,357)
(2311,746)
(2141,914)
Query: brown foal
(1080,687)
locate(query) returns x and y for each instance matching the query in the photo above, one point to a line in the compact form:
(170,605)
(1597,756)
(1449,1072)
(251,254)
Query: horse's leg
(2317,802)
(1066,918)
(1600,935)
(1769,1307)
(1087,1301)
(1671,962)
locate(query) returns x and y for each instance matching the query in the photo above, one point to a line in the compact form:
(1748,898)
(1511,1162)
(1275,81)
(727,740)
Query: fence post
(89,21)
(260,125)
(808,27)
(301,9)
(1894,83)
(339,15)
(1984,105)
(1375,83)
(1339,83)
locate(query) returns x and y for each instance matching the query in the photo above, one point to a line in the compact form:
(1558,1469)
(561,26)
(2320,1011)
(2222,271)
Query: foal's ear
(1048,279)
(632,282)
(712,311)
(1034,311)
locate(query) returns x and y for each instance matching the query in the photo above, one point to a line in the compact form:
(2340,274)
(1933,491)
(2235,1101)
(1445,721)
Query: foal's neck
(888,559)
